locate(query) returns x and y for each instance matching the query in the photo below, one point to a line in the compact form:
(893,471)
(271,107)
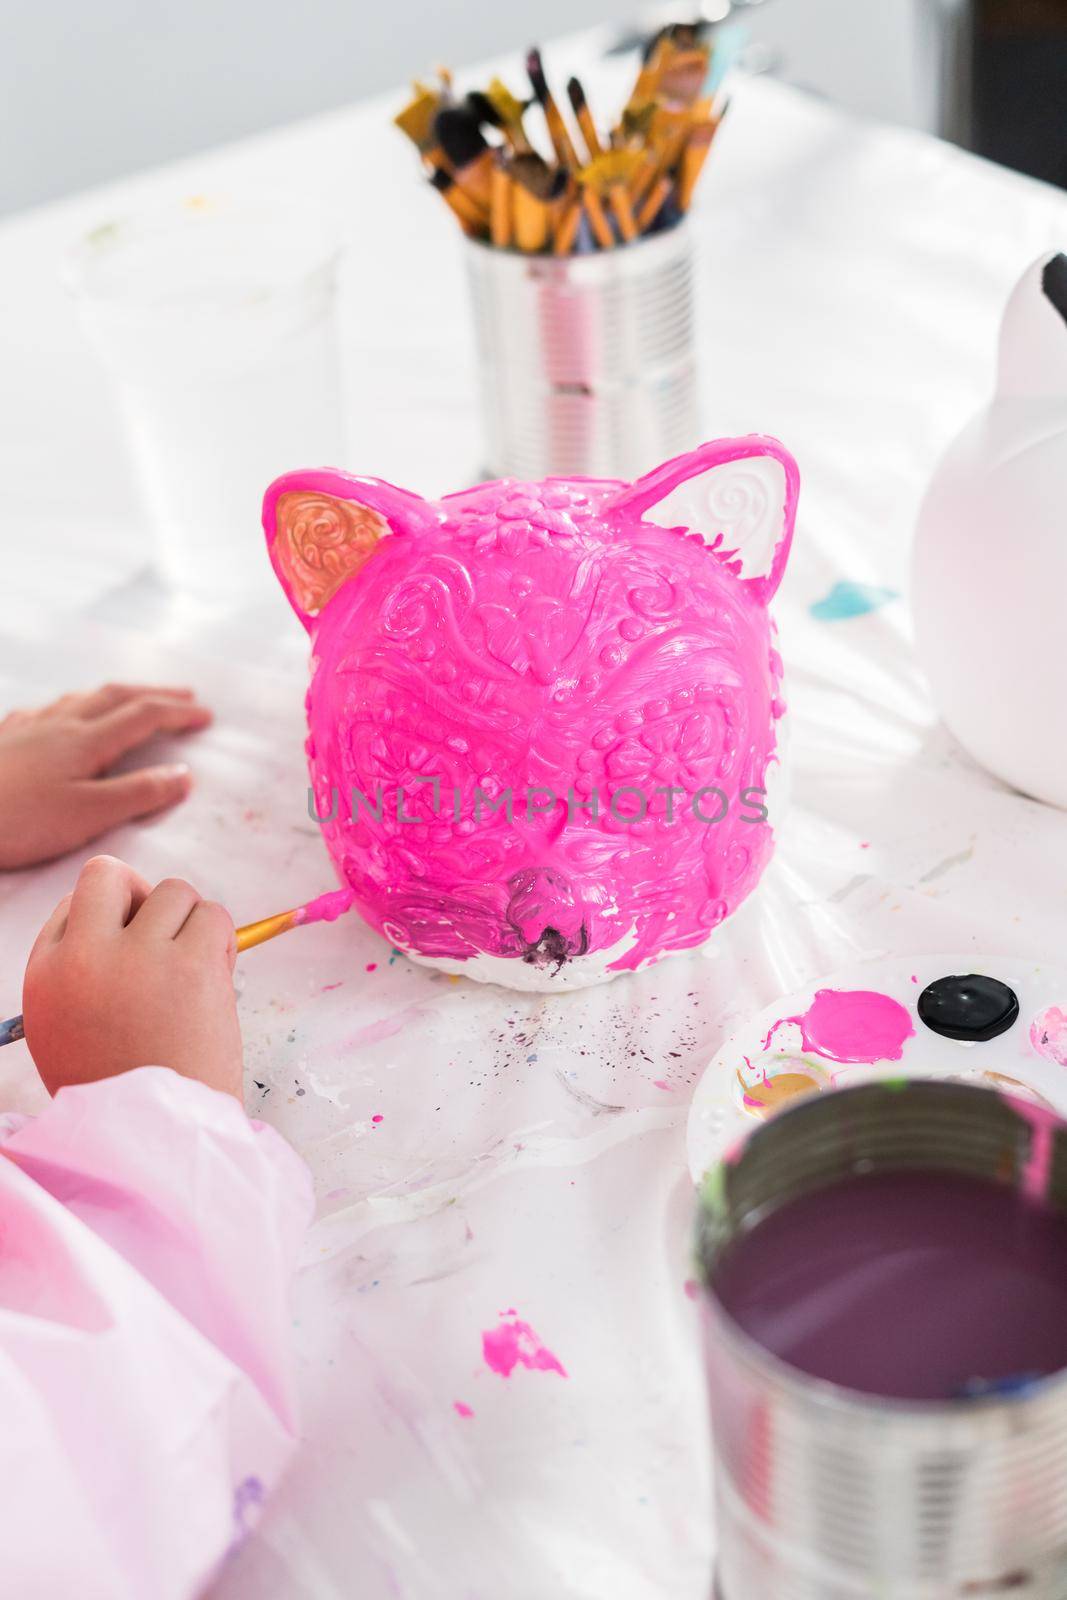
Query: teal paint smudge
(849,599)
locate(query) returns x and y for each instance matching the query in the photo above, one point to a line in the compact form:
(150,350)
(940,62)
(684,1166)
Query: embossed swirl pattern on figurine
(554,636)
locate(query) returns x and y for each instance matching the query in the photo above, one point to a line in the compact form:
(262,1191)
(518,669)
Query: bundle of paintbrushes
(593,191)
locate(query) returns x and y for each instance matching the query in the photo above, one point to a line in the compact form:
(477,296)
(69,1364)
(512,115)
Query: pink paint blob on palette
(543,717)
(1048,1034)
(849,1025)
(997,1023)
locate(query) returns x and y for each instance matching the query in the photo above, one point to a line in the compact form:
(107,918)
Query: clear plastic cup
(218,325)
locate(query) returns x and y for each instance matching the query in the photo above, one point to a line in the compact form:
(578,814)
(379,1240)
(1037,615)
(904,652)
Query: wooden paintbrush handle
(254,933)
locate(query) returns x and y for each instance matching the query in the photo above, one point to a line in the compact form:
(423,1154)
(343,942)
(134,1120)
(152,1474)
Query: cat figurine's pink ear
(739,494)
(322,526)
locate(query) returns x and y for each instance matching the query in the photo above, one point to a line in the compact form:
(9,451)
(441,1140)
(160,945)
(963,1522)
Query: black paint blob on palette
(970,1007)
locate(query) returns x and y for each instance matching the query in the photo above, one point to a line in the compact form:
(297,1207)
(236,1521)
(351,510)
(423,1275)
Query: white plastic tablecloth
(529,1156)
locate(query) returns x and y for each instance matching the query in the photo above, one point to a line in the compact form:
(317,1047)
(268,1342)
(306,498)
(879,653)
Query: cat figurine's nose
(547,916)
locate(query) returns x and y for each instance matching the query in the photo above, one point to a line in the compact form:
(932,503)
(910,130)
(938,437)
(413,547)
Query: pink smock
(148,1237)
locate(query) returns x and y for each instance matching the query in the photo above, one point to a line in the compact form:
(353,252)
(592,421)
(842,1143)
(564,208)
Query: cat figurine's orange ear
(323,526)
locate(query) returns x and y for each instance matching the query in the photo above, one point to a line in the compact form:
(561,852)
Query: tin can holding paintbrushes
(885,1312)
(586,363)
(580,257)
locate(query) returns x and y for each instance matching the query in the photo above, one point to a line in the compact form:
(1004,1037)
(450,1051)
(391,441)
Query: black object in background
(1019,85)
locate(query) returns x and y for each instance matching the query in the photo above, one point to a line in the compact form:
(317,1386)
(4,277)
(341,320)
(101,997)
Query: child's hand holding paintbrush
(124,976)
(56,794)
(586,192)
(162,917)
(150,1233)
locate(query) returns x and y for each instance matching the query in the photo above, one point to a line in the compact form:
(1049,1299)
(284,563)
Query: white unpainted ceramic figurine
(989,575)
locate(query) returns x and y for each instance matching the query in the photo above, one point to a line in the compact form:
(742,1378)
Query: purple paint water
(914,1285)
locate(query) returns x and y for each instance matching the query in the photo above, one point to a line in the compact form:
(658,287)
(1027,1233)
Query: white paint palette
(779,1055)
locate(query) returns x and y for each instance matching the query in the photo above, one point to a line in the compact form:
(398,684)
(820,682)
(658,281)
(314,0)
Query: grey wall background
(90,89)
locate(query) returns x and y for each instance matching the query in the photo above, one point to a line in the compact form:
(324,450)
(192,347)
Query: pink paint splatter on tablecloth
(514,1343)
(377,1117)
(385,1027)
(851,1025)
(462,1409)
(1048,1035)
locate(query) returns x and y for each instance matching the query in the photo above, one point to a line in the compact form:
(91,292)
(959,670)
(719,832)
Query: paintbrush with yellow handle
(557,128)
(325,908)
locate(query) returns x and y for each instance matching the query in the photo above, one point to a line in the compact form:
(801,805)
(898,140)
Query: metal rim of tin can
(587,363)
(824,1493)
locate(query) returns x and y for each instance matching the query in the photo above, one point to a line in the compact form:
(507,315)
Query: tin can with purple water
(826,1492)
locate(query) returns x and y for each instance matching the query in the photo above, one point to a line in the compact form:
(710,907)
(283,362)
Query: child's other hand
(54,795)
(123,976)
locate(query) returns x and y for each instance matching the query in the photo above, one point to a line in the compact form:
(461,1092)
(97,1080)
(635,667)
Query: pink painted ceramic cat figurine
(542,715)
